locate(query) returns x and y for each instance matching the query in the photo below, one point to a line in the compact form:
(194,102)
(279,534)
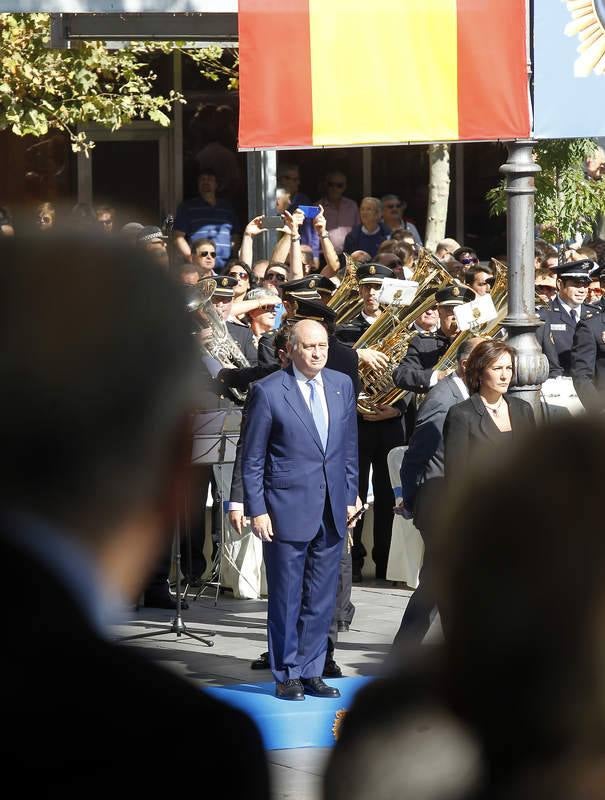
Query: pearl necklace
(495,409)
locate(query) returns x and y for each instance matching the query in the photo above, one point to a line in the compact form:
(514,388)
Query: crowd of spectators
(507,712)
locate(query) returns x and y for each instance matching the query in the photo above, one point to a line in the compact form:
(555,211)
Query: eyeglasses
(242,275)
(393,205)
(291,177)
(204,253)
(469,260)
(596,291)
(274,276)
(336,185)
(106,221)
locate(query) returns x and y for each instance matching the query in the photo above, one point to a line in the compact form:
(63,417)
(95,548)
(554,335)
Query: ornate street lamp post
(522,321)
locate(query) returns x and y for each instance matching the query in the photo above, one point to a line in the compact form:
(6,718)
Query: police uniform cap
(314,309)
(324,285)
(225,284)
(454,295)
(306,287)
(150,233)
(373,273)
(577,269)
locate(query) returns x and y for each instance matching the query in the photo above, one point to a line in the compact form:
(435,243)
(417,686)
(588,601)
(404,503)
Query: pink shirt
(340,220)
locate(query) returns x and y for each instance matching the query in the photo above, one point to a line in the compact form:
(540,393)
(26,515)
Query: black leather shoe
(343,626)
(317,688)
(331,669)
(163,600)
(262,662)
(291,689)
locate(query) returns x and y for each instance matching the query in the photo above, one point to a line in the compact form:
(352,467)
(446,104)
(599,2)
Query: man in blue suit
(300,487)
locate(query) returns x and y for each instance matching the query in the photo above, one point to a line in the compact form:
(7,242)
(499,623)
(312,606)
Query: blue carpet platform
(284,724)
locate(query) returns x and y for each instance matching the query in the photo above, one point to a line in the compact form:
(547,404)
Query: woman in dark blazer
(490,416)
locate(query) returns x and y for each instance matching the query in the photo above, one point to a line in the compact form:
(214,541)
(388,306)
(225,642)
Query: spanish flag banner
(317,73)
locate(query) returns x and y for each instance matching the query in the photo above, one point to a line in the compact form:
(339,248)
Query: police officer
(416,370)
(378,433)
(564,312)
(588,360)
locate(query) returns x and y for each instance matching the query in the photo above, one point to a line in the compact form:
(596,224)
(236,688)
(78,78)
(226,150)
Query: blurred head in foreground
(99,375)
(521,591)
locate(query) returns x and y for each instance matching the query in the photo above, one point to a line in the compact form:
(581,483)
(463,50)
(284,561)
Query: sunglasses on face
(393,205)
(242,275)
(274,276)
(204,253)
(469,260)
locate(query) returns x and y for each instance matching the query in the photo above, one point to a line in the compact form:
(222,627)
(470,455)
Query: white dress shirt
(462,386)
(303,385)
(569,308)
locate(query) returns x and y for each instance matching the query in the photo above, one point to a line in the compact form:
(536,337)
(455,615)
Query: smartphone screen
(309,211)
(273,222)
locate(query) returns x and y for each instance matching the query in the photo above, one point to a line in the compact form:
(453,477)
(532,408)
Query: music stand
(215,437)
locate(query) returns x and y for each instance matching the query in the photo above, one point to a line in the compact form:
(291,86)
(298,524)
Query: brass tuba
(221,345)
(345,301)
(392,333)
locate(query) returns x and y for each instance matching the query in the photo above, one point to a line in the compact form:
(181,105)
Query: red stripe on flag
(492,73)
(275,73)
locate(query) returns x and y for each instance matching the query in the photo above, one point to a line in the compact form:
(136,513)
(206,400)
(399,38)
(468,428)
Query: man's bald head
(308,347)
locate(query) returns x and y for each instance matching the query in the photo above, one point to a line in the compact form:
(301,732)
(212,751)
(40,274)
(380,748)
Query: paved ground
(241,637)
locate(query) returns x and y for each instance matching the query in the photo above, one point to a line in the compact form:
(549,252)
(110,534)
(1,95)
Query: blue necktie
(574,316)
(317,412)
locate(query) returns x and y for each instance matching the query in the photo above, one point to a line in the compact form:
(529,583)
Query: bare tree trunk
(439,192)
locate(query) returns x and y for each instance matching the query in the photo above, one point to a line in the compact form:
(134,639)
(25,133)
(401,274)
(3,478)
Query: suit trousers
(376,440)
(302,578)
(345,610)
(419,611)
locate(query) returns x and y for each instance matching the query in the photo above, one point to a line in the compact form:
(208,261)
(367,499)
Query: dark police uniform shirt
(349,333)
(588,362)
(557,335)
(416,367)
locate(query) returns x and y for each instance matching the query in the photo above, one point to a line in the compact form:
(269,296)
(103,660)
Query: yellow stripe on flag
(384,72)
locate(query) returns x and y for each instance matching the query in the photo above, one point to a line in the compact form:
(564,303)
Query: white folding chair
(407,547)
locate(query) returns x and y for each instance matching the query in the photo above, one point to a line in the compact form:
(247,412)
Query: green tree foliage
(42,89)
(566,201)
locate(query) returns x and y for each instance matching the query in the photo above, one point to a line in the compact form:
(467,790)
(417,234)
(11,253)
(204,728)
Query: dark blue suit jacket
(286,472)
(424,459)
